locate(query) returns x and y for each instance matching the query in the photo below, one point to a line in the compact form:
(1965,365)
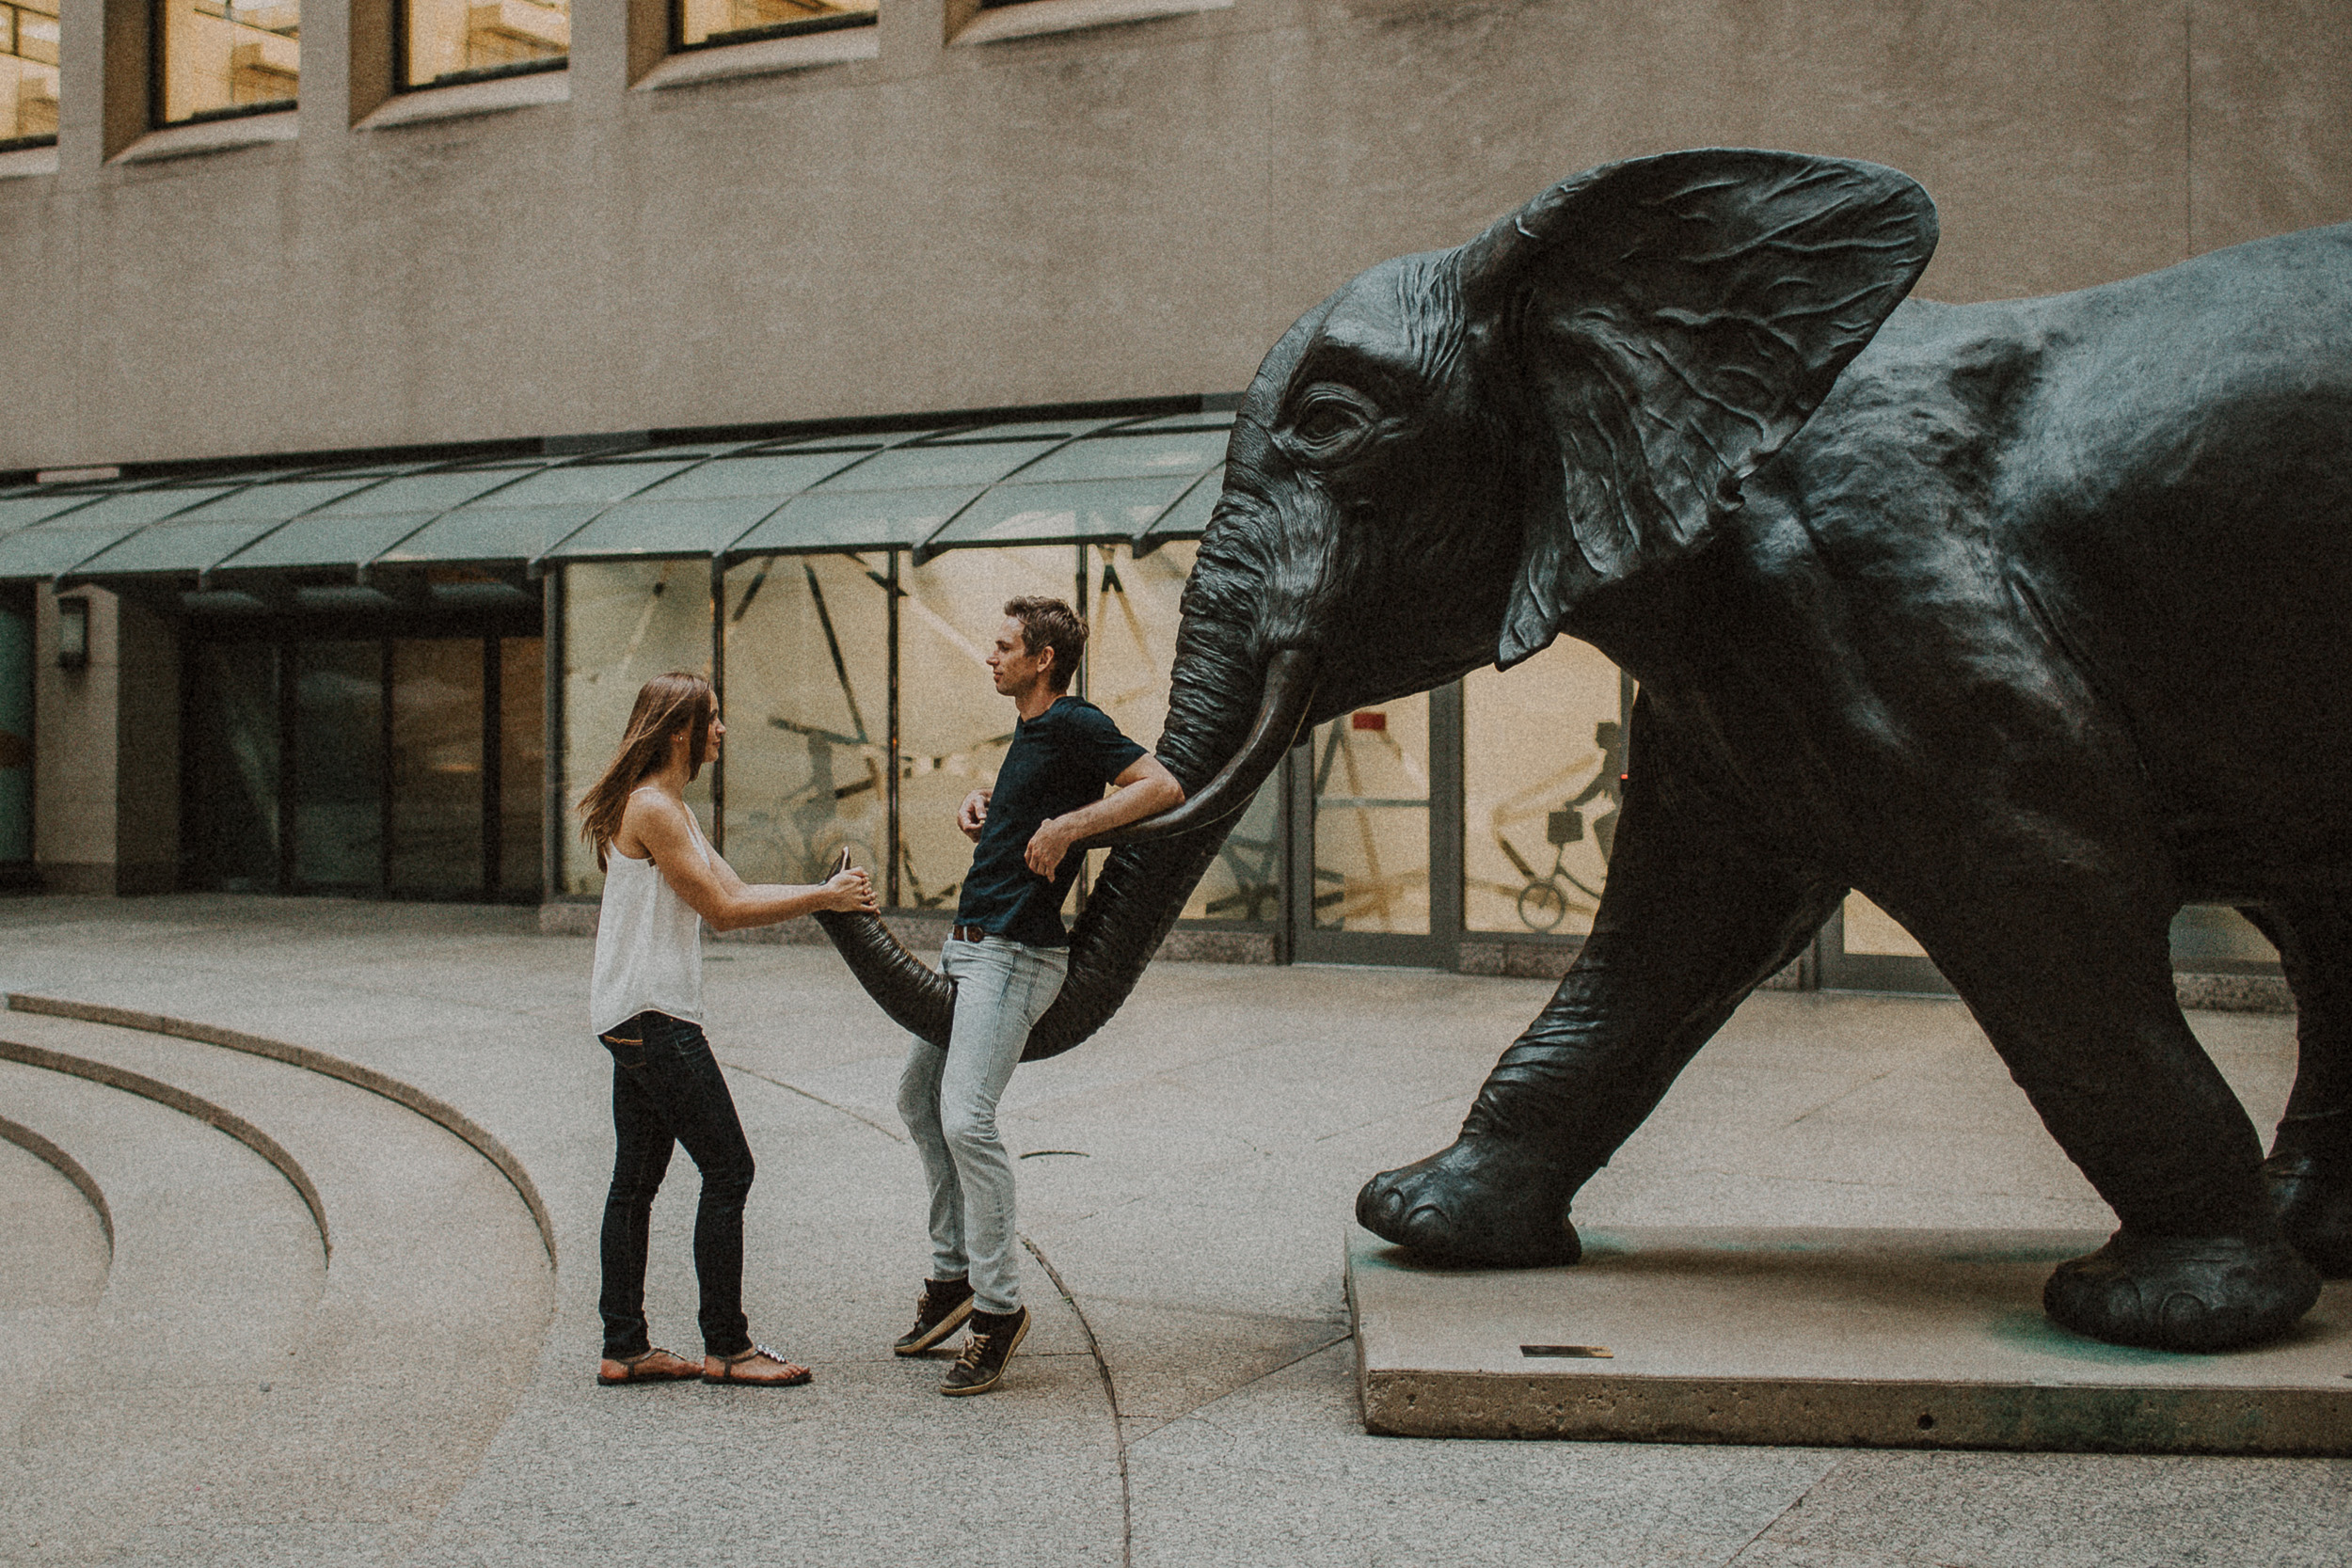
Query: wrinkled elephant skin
(2028,620)
(2025,619)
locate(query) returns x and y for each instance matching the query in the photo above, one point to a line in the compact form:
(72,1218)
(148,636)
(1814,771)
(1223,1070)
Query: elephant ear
(1673,321)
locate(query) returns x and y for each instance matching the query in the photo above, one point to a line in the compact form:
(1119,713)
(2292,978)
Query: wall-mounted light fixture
(72,633)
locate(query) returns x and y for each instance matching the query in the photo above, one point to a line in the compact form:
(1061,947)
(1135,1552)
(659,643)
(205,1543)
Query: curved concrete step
(430,1106)
(55,1252)
(66,1169)
(216,1267)
(423,1333)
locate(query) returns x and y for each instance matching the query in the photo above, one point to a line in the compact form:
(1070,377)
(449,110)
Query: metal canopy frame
(921,518)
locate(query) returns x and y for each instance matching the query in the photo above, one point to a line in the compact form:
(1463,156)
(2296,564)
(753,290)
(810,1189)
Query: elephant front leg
(2074,985)
(1689,923)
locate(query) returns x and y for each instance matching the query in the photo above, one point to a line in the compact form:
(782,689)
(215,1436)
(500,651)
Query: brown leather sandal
(754,1363)
(654,1366)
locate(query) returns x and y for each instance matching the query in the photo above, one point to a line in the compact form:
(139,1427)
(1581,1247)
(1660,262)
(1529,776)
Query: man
(1007,955)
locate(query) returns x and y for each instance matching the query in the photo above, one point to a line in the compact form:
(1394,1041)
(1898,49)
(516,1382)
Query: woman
(663,881)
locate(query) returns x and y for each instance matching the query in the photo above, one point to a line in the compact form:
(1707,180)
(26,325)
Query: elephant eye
(1329,420)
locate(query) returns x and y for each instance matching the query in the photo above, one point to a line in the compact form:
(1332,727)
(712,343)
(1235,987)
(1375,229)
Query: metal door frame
(1442,948)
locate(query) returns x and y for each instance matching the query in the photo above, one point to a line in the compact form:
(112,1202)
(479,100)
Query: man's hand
(1049,843)
(1145,786)
(850,891)
(973,814)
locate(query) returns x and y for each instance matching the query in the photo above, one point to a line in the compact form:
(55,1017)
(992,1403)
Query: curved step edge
(187,1104)
(68,1167)
(431,1107)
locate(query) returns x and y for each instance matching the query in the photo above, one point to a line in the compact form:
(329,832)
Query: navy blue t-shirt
(1059,761)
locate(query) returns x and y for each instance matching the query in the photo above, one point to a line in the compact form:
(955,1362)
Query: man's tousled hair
(1051,623)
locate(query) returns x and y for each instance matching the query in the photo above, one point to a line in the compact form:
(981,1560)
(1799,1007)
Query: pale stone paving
(1216,1133)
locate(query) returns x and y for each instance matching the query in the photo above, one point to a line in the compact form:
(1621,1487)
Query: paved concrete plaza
(196,1378)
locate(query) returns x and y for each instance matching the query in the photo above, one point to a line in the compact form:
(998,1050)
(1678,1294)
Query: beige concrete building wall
(76,758)
(107,764)
(1117,212)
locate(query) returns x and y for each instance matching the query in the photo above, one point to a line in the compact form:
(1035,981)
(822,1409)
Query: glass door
(408,767)
(434,810)
(1377,810)
(338,746)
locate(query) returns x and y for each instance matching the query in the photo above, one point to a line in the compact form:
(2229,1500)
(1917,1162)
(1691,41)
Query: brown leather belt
(966,933)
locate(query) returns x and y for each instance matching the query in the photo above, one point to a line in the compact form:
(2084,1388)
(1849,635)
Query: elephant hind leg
(2310,1169)
(2074,988)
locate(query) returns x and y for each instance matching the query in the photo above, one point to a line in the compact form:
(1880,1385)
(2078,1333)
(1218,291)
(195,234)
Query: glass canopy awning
(1138,481)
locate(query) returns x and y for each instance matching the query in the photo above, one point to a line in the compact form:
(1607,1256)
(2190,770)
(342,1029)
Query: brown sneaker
(945,1305)
(994,1338)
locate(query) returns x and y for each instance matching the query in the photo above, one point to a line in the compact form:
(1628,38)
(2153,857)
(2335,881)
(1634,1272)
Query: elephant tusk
(1290,689)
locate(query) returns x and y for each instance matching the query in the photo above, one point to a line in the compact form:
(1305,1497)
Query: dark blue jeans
(667,1089)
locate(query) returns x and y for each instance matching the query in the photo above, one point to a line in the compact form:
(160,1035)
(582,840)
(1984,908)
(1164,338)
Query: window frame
(156,67)
(807,27)
(400,84)
(15,36)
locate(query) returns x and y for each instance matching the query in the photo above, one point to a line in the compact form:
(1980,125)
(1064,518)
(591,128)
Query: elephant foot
(2312,1198)
(1479,1203)
(2182,1292)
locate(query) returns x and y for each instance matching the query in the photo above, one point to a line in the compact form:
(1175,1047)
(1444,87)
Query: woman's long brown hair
(665,706)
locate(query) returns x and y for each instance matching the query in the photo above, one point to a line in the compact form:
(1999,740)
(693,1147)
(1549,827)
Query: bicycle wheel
(1542,906)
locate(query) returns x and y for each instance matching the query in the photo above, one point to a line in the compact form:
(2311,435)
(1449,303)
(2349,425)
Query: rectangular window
(16,726)
(1372,807)
(624,623)
(338,741)
(807,643)
(217,58)
(28,74)
(444,42)
(699,24)
(1133,610)
(953,726)
(522,758)
(230,840)
(407,767)
(1543,748)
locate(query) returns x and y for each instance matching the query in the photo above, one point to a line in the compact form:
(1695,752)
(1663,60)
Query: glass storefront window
(218,58)
(522,764)
(1372,819)
(446,41)
(807,643)
(2204,936)
(1543,746)
(1132,613)
(29,72)
(230,840)
(624,623)
(435,767)
(1873,933)
(720,22)
(386,744)
(16,731)
(339,765)
(953,727)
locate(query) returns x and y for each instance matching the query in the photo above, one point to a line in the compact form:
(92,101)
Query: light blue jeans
(948,1098)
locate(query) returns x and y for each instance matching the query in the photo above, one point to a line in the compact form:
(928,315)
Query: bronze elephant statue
(2031,621)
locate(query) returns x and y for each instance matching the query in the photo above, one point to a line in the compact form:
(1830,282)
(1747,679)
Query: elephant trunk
(1143,885)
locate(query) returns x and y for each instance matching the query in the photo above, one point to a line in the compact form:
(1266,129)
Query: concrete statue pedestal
(1887,1338)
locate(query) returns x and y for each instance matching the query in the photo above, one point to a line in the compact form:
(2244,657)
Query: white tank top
(649,951)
